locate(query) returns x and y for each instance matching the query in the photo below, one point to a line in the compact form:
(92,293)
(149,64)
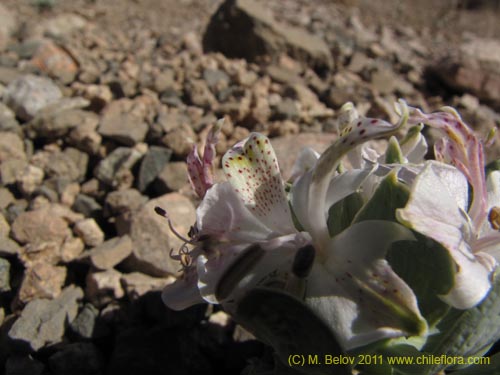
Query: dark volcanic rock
(242,28)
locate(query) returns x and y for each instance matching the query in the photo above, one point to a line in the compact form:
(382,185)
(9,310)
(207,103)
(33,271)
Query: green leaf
(428,269)
(291,328)
(394,153)
(468,332)
(389,196)
(341,214)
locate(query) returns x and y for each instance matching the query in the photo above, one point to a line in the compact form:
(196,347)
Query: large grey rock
(29,94)
(152,239)
(243,28)
(43,322)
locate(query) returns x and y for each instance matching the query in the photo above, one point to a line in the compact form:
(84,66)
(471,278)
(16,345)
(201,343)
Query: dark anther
(303,261)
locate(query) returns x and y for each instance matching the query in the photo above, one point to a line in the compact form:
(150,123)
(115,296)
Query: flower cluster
(355,235)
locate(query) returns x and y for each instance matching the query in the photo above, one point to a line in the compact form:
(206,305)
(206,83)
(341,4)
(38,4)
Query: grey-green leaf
(291,328)
(429,271)
(468,332)
(341,214)
(389,196)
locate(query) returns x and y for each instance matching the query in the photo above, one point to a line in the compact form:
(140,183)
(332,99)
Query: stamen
(160,211)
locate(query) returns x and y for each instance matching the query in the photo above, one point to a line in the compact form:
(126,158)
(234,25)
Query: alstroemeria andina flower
(439,206)
(245,236)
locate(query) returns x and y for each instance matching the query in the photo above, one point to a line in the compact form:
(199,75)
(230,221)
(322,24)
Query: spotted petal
(355,130)
(252,169)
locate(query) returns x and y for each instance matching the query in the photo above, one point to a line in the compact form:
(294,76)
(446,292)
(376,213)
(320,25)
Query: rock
(154,161)
(55,61)
(137,284)
(60,26)
(53,124)
(42,280)
(287,109)
(9,170)
(216,79)
(8,122)
(180,140)
(29,179)
(4,276)
(119,124)
(164,80)
(89,231)
(474,68)
(172,177)
(43,322)
(71,249)
(20,365)
(29,94)
(6,198)
(4,227)
(44,252)
(33,227)
(11,147)
(86,205)
(282,128)
(152,239)
(87,324)
(99,95)
(110,253)
(199,94)
(8,25)
(103,287)
(69,193)
(115,169)
(243,28)
(9,247)
(80,358)
(126,200)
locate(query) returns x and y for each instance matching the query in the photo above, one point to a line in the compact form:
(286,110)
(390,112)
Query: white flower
(245,236)
(439,206)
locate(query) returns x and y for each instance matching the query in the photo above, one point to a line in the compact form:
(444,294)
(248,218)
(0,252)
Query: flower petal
(434,210)
(183,292)
(200,172)
(463,149)
(305,162)
(358,292)
(253,171)
(226,275)
(355,131)
(222,214)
